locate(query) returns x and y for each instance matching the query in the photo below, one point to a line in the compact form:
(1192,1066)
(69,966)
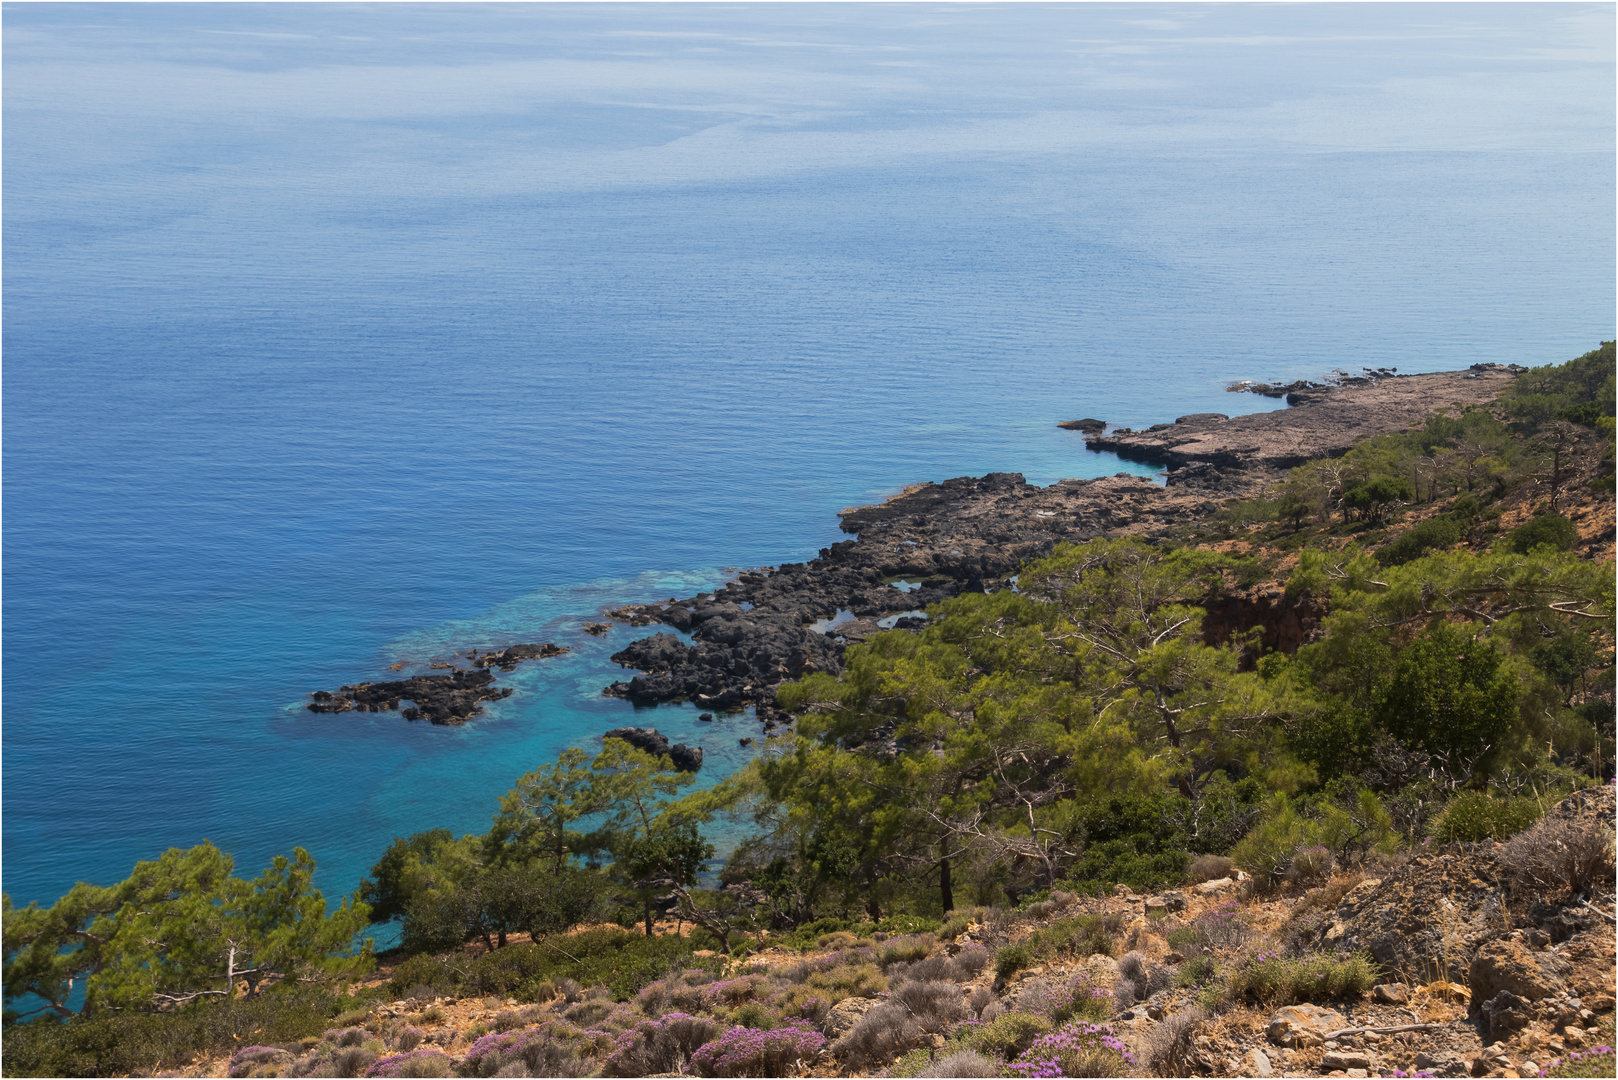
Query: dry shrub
(1208,868)
(1310,865)
(587,1014)
(659,1046)
(1125,992)
(906,950)
(506,1020)
(964,1063)
(1044,909)
(352,1062)
(935,1005)
(1170,1044)
(1559,854)
(1139,979)
(1329,895)
(980,1000)
(971,960)
(881,1035)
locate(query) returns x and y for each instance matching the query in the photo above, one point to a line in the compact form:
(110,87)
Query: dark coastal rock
(685,758)
(1087,425)
(442,699)
(507,659)
(972,534)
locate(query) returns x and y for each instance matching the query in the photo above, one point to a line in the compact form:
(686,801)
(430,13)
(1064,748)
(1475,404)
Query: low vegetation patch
(1271,979)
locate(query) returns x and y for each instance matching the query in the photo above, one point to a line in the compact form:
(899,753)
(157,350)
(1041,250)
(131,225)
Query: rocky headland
(971,533)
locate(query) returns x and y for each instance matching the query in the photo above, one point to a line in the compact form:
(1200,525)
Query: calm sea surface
(339,336)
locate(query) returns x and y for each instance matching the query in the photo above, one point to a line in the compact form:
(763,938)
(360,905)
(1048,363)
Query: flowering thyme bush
(1222,927)
(1064,1000)
(656,1046)
(243,1061)
(1596,1061)
(549,1049)
(415,1063)
(745,1051)
(1079,1049)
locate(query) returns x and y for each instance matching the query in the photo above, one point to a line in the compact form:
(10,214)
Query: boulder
(1390,993)
(1303,1025)
(654,742)
(845,1014)
(1344,1059)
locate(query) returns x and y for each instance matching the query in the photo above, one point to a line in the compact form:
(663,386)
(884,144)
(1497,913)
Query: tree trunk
(648,902)
(946,890)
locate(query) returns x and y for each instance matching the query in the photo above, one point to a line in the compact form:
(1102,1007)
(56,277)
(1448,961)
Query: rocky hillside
(1463,960)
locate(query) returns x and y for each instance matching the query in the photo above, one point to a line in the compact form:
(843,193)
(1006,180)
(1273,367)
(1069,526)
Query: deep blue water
(338,336)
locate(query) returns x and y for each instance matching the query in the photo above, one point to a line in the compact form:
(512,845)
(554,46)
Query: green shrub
(1272,979)
(422,970)
(1473,816)
(1079,935)
(1552,529)
(1007,1036)
(906,924)
(623,961)
(905,950)
(125,1044)
(1198,971)
(1438,532)
(1010,959)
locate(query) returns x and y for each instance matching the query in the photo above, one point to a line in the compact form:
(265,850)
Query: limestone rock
(1303,1025)
(845,1014)
(1390,993)
(1344,1059)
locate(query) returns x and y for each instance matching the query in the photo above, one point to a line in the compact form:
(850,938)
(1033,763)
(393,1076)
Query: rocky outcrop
(508,658)
(1426,919)
(1325,421)
(971,534)
(685,758)
(442,699)
(1087,425)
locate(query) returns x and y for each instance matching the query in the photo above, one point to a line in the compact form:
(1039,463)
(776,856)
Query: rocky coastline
(972,533)
(969,534)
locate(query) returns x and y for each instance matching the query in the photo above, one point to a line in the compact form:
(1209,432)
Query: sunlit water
(336,337)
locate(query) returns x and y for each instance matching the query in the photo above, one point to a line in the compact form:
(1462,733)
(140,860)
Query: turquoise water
(342,336)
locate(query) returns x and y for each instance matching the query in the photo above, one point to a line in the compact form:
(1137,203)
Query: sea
(343,336)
